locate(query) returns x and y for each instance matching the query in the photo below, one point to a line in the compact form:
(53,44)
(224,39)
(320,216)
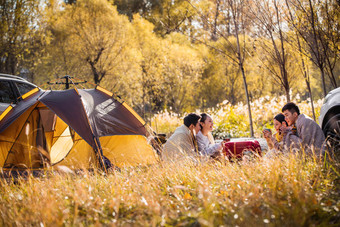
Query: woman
(205,140)
(279,121)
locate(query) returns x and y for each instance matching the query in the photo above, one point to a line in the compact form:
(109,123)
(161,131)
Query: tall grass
(284,191)
(281,191)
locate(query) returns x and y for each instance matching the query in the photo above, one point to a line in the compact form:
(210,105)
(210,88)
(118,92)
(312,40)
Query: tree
(211,20)
(331,33)
(219,80)
(316,26)
(172,16)
(90,35)
(167,15)
(235,11)
(182,68)
(305,74)
(214,34)
(70,1)
(149,58)
(269,21)
(131,7)
(20,36)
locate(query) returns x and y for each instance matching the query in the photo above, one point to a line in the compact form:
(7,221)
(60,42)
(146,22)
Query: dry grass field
(281,191)
(286,190)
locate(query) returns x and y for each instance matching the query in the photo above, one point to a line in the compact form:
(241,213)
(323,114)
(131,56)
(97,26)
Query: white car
(329,119)
(11,88)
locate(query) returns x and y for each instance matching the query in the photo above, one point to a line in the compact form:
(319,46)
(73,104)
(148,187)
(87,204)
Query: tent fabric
(108,116)
(29,152)
(61,147)
(19,109)
(11,132)
(69,107)
(131,150)
(81,156)
(70,128)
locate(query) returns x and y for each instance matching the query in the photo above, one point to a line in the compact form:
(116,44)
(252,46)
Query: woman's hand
(285,129)
(267,133)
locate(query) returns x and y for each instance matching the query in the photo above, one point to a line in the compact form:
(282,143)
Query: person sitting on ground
(205,140)
(304,134)
(182,143)
(279,121)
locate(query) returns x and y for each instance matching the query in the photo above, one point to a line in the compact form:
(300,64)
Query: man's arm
(292,141)
(289,140)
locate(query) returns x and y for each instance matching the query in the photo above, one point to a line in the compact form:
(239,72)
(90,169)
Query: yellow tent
(78,128)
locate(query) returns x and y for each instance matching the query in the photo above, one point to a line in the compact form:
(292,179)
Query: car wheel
(332,133)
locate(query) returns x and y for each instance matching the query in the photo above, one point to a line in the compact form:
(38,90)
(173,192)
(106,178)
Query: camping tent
(74,128)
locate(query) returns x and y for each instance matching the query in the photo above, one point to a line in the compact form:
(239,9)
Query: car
(11,88)
(329,119)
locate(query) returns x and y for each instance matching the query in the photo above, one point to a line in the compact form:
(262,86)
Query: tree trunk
(311,99)
(283,55)
(305,75)
(240,61)
(248,102)
(331,74)
(214,32)
(95,72)
(287,94)
(319,57)
(322,69)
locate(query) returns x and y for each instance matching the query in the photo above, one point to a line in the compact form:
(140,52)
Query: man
(302,132)
(182,144)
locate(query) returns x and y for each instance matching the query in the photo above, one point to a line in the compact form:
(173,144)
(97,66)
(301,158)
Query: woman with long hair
(279,121)
(205,141)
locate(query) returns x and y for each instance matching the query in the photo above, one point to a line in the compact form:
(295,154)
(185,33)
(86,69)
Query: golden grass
(284,191)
